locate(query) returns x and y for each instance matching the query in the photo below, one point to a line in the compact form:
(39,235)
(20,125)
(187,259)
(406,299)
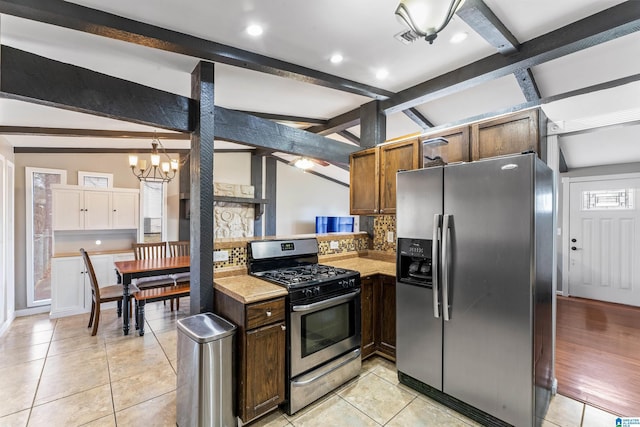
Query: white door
(604,240)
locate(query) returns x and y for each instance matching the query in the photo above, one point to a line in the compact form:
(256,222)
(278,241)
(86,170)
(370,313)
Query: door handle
(435,266)
(445,267)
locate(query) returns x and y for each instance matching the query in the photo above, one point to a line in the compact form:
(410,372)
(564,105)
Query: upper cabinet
(80,208)
(456,150)
(373,176)
(373,171)
(394,157)
(510,134)
(365,178)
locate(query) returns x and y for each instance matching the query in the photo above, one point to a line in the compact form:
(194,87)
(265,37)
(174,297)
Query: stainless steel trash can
(205,392)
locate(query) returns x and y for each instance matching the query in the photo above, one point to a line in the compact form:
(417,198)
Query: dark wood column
(270,209)
(256,182)
(201,170)
(373,131)
(373,125)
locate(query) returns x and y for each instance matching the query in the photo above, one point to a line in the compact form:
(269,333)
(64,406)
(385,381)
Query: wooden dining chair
(152,251)
(180,248)
(103,294)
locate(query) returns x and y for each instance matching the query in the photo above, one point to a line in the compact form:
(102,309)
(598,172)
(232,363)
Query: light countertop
(248,289)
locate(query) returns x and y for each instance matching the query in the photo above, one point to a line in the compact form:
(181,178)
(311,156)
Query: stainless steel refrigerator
(473,294)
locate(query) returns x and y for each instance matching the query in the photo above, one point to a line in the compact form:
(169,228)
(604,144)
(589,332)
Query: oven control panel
(327,288)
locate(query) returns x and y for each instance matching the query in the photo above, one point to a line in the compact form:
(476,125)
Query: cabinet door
(387,288)
(456,150)
(364,179)
(68,209)
(265,369)
(394,157)
(97,210)
(67,286)
(125,209)
(367,288)
(512,134)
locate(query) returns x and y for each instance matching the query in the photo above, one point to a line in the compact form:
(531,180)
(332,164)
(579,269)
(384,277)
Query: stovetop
(304,275)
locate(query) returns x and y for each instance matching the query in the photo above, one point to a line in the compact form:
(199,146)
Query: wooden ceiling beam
(593,30)
(286,118)
(31,78)
(483,21)
(349,136)
(76,17)
(527,84)
(339,123)
(91,133)
(418,118)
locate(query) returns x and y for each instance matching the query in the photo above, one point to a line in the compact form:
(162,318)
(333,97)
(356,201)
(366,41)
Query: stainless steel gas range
(323,317)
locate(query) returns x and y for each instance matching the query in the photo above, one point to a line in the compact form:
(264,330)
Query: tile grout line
(46,356)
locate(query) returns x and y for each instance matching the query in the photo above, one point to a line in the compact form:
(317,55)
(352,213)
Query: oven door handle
(326,303)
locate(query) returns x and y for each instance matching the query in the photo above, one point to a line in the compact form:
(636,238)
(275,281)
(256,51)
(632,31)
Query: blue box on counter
(332,224)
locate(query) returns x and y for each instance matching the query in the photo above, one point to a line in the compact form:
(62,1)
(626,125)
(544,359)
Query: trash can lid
(206,327)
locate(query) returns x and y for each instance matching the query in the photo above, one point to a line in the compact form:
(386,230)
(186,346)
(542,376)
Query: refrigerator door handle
(435,264)
(445,268)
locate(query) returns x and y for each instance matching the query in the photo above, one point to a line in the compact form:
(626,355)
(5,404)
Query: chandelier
(427,18)
(158,172)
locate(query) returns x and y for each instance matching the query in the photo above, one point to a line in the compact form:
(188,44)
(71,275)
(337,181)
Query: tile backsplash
(382,225)
(346,242)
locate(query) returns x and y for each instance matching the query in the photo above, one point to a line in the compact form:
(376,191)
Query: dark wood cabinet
(373,176)
(387,318)
(265,356)
(394,157)
(456,150)
(367,316)
(378,299)
(259,353)
(510,134)
(364,177)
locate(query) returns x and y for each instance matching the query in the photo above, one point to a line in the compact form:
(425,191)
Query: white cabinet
(70,286)
(80,208)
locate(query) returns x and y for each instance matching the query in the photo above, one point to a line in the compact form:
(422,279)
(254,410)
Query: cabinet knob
(115,210)
(268,313)
(283,327)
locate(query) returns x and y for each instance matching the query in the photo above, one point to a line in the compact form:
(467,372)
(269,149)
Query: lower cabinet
(378,299)
(259,353)
(70,287)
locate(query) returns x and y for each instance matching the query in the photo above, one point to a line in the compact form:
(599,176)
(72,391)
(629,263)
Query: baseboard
(33,310)
(7,323)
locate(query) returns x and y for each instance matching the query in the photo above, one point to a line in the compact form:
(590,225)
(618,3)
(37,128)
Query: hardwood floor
(598,354)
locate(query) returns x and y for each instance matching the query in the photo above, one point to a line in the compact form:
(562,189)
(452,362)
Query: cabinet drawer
(263,313)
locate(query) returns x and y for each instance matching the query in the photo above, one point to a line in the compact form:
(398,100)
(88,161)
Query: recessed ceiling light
(459,37)
(254,30)
(382,74)
(336,58)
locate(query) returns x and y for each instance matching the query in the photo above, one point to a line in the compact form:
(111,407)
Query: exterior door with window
(40,231)
(604,240)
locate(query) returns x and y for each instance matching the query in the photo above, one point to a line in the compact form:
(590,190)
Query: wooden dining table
(136,269)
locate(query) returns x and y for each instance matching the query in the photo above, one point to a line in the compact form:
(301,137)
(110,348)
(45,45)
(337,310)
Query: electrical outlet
(334,244)
(390,236)
(219,256)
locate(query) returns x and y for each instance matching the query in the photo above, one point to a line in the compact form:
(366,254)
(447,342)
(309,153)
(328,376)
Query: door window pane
(41,220)
(607,199)
(153,211)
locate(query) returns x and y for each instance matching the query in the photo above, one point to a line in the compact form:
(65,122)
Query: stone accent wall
(233,219)
(382,224)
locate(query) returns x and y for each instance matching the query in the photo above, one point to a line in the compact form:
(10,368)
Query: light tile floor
(53,373)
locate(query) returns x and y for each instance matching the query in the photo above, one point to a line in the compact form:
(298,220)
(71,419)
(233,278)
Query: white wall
(7,284)
(232,168)
(302,196)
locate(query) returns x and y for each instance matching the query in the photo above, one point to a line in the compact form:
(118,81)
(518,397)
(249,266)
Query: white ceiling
(307,34)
